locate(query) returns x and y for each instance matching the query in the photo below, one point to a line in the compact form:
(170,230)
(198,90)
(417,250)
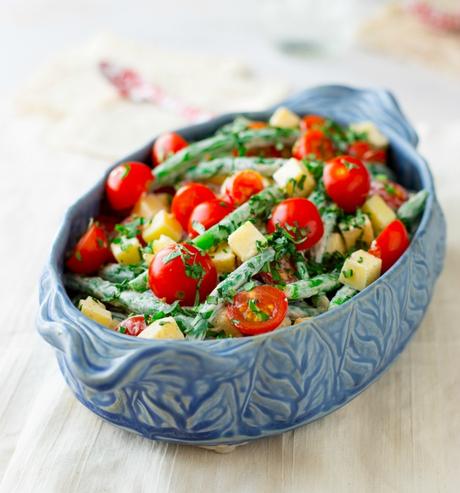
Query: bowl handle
(347,104)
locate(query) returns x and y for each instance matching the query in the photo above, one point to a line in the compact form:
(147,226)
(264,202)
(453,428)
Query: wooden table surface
(400,435)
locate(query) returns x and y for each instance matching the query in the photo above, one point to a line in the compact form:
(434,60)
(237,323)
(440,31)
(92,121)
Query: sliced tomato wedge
(258,311)
(314,143)
(132,326)
(390,244)
(391,192)
(242,185)
(91,251)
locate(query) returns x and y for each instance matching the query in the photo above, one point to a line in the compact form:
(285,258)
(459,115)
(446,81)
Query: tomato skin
(316,143)
(299,213)
(166,145)
(268,299)
(391,192)
(364,151)
(168,279)
(243,185)
(126,183)
(91,251)
(187,198)
(208,213)
(132,326)
(347,182)
(390,244)
(312,122)
(257,125)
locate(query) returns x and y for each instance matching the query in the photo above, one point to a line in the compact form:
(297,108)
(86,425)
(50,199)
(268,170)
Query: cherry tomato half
(257,311)
(392,193)
(126,183)
(242,185)
(347,182)
(314,143)
(390,244)
(207,214)
(187,198)
(300,218)
(91,251)
(364,151)
(132,326)
(166,145)
(180,272)
(312,122)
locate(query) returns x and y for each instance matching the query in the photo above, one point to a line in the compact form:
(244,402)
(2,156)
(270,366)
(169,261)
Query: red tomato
(91,251)
(243,185)
(187,198)
(126,183)
(282,271)
(257,311)
(390,244)
(166,145)
(265,151)
(179,272)
(314,143)
(132,326)
(347,182)
(300,218)
(207,214)
(312,122)
(392,193)
(364,151)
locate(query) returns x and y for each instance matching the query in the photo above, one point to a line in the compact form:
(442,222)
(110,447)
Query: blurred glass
(312,26)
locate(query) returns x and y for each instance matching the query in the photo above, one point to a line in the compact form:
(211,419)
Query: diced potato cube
(162,242)
(163,223)
(223,259)
(284,118)
(335,243)
(151,203)
(222,321)
(295,178)
(374,135)
(244,241)
(300,320)
(127,251)
(351,235)
(165,328)
(360,270)
(95,310)
(380,214)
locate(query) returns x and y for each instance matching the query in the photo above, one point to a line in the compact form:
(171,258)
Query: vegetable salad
(260,226)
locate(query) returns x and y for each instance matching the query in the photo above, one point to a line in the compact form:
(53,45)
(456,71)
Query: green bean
(119,273)
(411,210)
(377,170)
(255,206)
(140,283)
(228,288)
(303,310)
(344,294)
(329,218)
(229,165)
(306,289)
(175,166)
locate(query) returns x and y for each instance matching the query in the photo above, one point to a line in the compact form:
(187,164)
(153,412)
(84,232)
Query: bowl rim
(138,344)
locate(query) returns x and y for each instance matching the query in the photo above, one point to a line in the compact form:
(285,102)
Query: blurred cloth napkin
(89,116)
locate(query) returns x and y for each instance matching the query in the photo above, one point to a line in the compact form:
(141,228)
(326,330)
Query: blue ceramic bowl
(230,391)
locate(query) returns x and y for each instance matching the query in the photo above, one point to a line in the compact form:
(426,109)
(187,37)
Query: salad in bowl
(262,225)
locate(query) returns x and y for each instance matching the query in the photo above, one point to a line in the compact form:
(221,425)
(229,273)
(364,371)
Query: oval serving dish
(229,391)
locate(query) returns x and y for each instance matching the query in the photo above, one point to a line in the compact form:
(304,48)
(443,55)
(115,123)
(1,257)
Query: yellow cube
(223,259)
(363,233)
(360,270)
(284,118)
(149,204)
(163,223)
(127,251)
(374,135)
(295,178)
(162,242)
(380,214)
(165,328)
(244,241)
(95,310)
(335,243)
(148,257)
